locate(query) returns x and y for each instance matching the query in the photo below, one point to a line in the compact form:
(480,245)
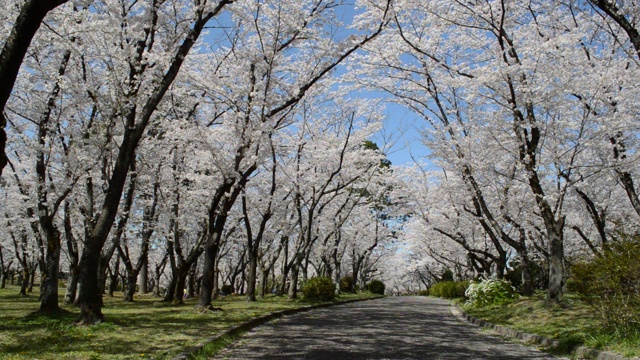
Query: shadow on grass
(567,345)
(146,327)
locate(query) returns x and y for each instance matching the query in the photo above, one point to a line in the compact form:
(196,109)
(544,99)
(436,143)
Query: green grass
(571,323)
(212,348)
(144,329)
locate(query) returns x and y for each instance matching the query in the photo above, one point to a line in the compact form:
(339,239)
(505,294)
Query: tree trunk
(305,268)
(72,251)
(190,285)
(556,264)
(169,294)
(208,276)
(283,289)
(32,279)
(355,270)
(104,274)
(178,291)
(216,282)
(144,275)
(251,275)
(132,281)
(500,267)
(156,283)
(114,279)
(49,284)
(264,276)
(293,284)
(527,285)
(72,286)
(24,284)
(15,47)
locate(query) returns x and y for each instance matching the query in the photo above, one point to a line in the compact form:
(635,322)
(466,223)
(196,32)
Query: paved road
(389,328)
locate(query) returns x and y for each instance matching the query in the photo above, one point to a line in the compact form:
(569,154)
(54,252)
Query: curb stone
(253,323)
(580,353)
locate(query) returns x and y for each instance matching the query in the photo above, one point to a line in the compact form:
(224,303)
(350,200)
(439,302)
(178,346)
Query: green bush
(610,284)
(319,289)
(490,291)
(539,276)
(376,287)
(347,285)
(449,289)
(226,289)
(447,275)
(423,292)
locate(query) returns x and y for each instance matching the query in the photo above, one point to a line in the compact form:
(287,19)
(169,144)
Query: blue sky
(402,127)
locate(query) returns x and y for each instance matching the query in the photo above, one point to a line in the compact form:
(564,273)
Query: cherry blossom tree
(16,44)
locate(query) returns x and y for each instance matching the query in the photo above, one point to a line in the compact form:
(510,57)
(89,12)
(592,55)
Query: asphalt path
(388,328)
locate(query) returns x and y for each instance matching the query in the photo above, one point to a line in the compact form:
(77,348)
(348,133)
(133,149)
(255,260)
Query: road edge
(253,323)
(581,352)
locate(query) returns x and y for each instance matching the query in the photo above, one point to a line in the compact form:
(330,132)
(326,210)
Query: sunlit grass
(571,323)
(146,328)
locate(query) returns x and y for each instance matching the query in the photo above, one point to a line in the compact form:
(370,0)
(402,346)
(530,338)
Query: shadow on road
(389,328)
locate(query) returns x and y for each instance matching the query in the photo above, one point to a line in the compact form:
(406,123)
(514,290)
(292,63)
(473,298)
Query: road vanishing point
(386,328)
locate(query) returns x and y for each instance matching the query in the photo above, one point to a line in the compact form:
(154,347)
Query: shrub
(490,291)
(447,275)
(610,285)
(423,292)
(347,284)
(449,289)
(319,289)
(226,289)
(376,287)
(539,276)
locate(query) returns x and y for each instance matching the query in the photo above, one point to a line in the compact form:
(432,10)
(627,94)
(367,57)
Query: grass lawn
(144,329)
(571,322)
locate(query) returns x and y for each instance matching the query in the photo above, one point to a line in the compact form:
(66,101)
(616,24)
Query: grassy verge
(571,322)
(144,329)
